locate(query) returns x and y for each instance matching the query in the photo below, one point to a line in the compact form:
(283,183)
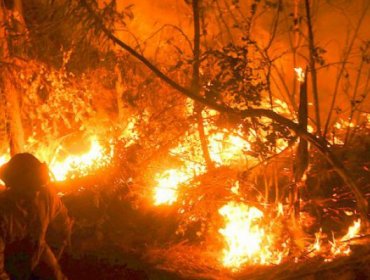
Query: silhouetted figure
(29,209)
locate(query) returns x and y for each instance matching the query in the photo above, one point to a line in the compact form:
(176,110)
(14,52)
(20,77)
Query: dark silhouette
(34,223)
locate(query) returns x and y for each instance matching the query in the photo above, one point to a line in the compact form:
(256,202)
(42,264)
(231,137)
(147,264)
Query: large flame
(73,165)
(168,182)
(227,147)
(247,240)
(96,157)
(224,148)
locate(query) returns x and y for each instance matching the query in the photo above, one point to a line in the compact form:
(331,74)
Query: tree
(321,144)
(11,35)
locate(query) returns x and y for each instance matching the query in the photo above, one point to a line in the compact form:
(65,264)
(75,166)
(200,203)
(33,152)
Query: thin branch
(178,29)
(321,144)
(342,68)
(312,64)
(274,27)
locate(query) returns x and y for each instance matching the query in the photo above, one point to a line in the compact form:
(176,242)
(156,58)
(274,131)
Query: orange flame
(4,159)
(317,245)
(247,240)
(93,159)
(352,230)
(168,182)
(341,247)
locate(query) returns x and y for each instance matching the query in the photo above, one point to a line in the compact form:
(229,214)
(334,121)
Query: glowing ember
(82,164)
(246,239)
(300,74)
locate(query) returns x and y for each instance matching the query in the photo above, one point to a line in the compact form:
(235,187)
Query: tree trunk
(7,87)
(13,115)
(198,107)
(301,158)
(120,89)
(312,57)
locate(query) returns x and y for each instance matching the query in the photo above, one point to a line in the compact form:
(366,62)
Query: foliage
(58,26)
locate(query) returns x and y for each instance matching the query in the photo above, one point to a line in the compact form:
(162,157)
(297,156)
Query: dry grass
(194,262)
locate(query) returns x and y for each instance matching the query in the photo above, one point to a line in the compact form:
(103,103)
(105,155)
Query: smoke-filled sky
(335,22)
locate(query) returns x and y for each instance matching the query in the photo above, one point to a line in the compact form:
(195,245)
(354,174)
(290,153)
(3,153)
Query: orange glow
(166,190)
(300,74)
(226,148)
(75,165)
(340,247)
(352,230)
(317,245)
(4,159)
(280,209)
(96,157)
(247,241)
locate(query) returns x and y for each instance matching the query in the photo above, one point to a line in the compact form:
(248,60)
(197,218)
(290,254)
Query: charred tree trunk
(312,62)
(301,159)
(198,107)
(13,115)
(14,22)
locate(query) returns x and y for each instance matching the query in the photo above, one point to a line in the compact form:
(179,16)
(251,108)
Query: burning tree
(216,135)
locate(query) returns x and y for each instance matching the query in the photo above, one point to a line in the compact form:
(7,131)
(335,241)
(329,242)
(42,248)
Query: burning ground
(217,154)
(181,220)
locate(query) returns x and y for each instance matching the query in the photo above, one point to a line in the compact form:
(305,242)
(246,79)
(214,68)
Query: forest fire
(81,164)
(250,240)
(168,182)
(225,140)
(73,166)
(224,149)
(247,240)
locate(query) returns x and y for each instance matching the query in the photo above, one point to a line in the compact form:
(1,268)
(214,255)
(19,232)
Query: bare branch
(321,144)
